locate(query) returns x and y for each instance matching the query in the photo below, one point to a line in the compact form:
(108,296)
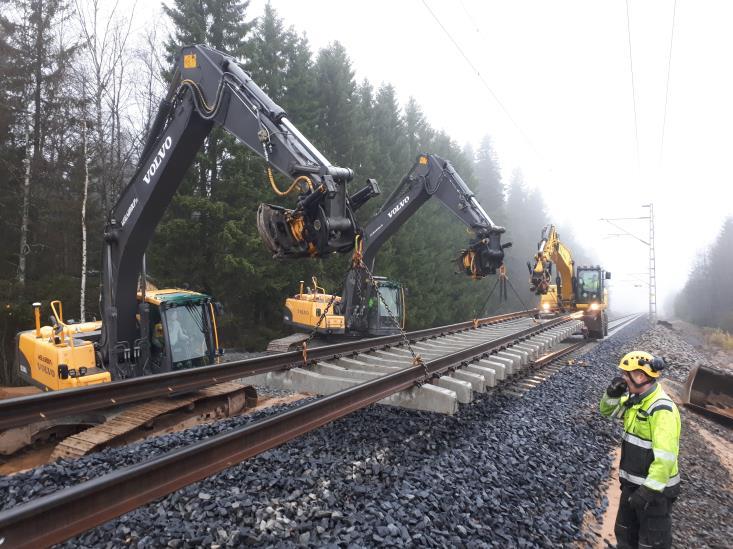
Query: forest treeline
(706,299)
(78,90)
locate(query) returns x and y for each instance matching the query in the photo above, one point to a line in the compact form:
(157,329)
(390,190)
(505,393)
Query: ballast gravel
(503,472)
(680,354)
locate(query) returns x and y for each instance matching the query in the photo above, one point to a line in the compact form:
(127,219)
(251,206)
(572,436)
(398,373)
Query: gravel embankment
(503,472)
(680,355)
(703,514)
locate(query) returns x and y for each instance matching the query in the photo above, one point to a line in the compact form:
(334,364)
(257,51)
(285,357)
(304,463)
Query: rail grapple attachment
(539,281)
(281,230)
(484,255)
(294,233)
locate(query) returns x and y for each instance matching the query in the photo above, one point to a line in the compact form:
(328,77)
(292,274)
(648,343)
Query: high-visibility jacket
(651,439)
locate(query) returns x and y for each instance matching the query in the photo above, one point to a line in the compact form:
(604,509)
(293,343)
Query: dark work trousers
(643,529)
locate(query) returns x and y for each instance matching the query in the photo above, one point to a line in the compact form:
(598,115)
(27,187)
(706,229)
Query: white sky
(561,69)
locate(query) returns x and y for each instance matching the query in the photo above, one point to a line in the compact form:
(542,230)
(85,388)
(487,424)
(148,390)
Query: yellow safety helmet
(641,360)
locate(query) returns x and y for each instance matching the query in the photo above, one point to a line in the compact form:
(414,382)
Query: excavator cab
(386,314)
(182,330)
(589,286)
(591,297)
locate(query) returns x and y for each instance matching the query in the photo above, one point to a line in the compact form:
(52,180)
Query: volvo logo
(158,159)
(398,207)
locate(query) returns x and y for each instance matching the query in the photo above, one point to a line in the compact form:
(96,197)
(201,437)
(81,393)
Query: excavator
(375,306)
(579,288)
(143,332)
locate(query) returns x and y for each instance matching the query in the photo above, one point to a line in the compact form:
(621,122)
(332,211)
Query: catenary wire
(666,92)
(484,82)
(633,87)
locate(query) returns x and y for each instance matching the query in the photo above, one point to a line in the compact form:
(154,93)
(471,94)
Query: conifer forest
(80,88)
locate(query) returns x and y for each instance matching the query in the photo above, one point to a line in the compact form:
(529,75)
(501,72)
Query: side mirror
(608,275)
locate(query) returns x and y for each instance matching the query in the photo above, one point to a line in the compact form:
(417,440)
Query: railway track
(21,411)
(85,414)
(468,359)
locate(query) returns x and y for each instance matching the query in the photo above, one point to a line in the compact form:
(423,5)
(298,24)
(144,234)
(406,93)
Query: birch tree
(104,35)
(85,194)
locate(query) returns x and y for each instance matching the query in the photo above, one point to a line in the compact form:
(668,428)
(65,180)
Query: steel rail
(19,411)
(545,360)
(71,511)
(618,323)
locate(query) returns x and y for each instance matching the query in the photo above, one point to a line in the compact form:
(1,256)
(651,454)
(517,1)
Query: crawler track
(74,510)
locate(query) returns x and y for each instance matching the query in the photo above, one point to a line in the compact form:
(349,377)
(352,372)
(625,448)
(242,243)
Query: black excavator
(165,330)
(359,311)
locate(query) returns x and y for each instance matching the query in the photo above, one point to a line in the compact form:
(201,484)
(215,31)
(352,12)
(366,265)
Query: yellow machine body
(548,301)
(55,358)
(63,356)
(304,309)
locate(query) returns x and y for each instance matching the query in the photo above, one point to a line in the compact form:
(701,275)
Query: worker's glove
(642,498)
(617,387)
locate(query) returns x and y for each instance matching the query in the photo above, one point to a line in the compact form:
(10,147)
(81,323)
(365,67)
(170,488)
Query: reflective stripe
(673,481)
(661,402)
(636,441)
(654,484)
(631,478)
(650,482)
(664,454)
(612,401)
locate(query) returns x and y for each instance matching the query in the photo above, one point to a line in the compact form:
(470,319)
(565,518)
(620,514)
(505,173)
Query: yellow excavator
(143,332)
(580,288)
(374,305)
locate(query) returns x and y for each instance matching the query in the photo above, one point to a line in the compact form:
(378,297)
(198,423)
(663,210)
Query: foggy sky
(561,70)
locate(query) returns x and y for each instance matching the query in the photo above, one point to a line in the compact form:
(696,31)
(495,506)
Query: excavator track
(225,398)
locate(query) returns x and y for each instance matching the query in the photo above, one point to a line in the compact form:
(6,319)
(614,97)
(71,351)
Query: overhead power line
(633,87)
(666,92)
(484,82)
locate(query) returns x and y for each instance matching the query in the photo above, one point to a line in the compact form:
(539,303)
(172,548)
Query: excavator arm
(551,250)
(210,89)
(430,176)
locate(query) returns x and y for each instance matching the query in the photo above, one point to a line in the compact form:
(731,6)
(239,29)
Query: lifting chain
(315,329)
(357,263)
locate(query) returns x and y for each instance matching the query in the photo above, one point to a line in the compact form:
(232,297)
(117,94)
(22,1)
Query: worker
(178,338)
(650,481)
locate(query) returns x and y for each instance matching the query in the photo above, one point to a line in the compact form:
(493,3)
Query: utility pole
(652,254)
(652,268)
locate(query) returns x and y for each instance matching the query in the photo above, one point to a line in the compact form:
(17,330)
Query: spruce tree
(335,93)
(490,186)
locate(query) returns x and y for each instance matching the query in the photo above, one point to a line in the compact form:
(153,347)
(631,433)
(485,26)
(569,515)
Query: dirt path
(613,493)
